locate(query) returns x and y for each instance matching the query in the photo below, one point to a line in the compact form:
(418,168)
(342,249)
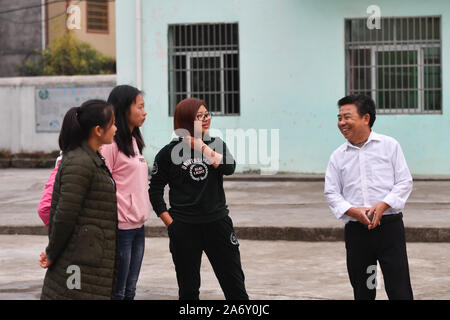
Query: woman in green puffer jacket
(81,253)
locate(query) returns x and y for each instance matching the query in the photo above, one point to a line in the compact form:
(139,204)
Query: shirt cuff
(160,210)
(393,202)
(341,209)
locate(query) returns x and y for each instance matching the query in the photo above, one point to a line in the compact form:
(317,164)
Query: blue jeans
(131,245)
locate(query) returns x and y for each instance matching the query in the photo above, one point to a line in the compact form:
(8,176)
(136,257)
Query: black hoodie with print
(196,192)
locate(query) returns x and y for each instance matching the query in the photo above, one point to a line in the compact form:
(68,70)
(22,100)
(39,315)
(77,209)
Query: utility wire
(39,21)
(30,7)
(40,5)
(32,22)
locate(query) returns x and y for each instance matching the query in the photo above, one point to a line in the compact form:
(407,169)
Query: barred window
(398,65)
(97,16)
(204,63)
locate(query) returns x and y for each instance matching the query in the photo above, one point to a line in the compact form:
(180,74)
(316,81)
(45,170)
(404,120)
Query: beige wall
(103,42)
(56,26)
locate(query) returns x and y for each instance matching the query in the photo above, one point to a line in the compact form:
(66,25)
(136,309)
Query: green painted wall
(292,72)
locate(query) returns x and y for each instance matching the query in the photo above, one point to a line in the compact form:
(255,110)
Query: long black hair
(79,121)
(121,98)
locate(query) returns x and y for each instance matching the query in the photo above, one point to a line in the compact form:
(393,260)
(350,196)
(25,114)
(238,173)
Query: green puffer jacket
(82,230)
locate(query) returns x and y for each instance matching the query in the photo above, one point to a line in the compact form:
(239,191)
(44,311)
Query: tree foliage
(68,56)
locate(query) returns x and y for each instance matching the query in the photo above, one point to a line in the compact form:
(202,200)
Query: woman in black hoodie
(193,165)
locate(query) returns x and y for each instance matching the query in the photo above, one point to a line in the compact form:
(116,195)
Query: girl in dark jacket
(193,166)
(81,253)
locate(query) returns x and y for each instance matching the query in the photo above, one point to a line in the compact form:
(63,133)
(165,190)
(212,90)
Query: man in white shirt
(367,184)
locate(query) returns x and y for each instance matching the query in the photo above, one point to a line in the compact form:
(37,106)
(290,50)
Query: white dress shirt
(362,177)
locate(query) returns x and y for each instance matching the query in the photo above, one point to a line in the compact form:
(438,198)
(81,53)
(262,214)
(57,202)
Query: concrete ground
(290,270)
(273,269)
(251,203)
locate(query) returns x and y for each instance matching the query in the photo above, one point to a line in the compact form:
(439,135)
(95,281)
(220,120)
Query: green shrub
(68,56)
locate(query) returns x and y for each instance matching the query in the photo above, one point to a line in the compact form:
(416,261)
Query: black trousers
(385,244)
(218,241)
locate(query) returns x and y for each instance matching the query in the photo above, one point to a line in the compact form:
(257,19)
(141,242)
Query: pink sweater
(131,176)
(46,200)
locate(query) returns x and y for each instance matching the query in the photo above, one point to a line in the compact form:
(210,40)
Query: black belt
(391,217)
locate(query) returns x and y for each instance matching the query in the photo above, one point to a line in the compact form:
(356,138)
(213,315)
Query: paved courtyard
(274,269)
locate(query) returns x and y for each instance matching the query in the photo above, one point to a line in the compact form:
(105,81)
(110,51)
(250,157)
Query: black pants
(385,244)
(217,239)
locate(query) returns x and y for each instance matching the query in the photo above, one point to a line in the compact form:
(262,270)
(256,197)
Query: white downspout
(43,19)
(139,44)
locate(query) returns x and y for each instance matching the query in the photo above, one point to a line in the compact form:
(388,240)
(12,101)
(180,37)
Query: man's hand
(377,212)
(359,213)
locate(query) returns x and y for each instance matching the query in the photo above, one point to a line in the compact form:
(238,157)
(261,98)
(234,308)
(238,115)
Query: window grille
(97,16)
(204,63)
(398,65)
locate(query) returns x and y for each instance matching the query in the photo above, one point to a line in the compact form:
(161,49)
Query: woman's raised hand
(195,143)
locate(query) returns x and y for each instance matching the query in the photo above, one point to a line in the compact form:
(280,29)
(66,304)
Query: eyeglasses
(203,117)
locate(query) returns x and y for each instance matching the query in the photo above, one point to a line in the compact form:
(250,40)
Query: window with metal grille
(97,16)
(398,65)
(204,63)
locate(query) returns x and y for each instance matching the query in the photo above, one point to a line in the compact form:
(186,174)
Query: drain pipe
(43,23)
(139,44)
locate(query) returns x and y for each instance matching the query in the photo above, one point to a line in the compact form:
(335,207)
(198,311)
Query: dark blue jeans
(131,245)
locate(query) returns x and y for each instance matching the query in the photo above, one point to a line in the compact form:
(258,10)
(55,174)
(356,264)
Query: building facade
(20,33)
(272,71)
(28,26)
(96,22)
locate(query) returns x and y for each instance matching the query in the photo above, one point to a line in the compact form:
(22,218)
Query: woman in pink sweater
(130,171)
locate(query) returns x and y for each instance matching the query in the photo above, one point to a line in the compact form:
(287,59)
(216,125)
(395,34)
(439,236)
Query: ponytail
(79,121)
